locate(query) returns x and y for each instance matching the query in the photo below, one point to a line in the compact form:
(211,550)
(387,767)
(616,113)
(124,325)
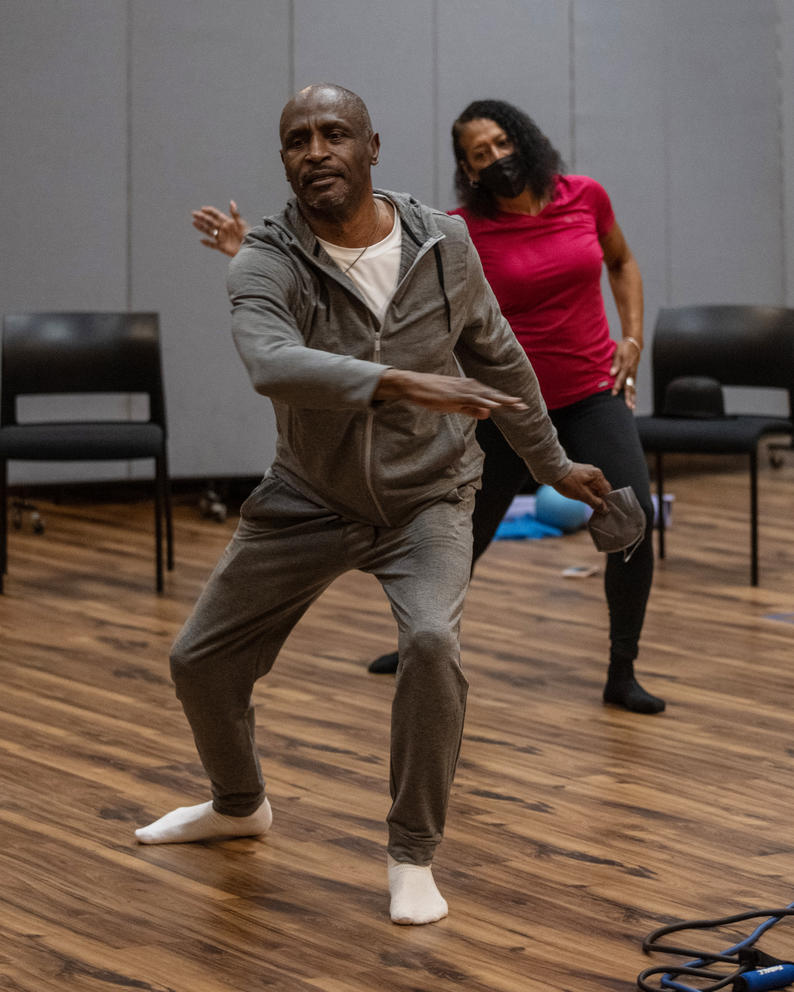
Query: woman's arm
(224,233)
(626,284)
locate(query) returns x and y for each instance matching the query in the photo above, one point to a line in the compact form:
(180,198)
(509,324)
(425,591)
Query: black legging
(600,430)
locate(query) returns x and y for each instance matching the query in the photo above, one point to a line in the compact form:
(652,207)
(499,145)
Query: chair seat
(721,435)
(101,441)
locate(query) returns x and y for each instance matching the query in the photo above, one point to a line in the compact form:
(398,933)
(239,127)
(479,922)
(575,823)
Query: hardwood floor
(574,828)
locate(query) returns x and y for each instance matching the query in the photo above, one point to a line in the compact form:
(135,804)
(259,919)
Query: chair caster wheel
(211,506)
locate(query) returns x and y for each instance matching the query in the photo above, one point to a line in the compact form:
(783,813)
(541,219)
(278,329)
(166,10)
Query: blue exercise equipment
(556,510)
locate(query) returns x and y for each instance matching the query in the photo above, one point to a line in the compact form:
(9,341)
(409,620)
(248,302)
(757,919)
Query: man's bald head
(328,96)
(328,148)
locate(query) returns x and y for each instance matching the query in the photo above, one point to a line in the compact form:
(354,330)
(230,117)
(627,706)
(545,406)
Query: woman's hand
(624,368)
(225,233)
(626,284)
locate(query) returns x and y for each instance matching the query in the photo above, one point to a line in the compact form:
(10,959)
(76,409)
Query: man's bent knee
(184,660)
(431,645)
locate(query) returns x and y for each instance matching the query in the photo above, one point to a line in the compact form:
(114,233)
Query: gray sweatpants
(285,552)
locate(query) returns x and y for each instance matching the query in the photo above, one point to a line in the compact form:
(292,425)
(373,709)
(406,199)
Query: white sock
(414,896)
(189,823)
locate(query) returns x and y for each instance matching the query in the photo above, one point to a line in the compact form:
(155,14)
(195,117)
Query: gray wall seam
(128,28)
(667,192)
(435,106)
(292,42)
(782,172)
(128,150)
(572,86)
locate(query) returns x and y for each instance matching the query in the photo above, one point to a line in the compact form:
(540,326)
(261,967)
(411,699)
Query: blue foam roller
(556,510)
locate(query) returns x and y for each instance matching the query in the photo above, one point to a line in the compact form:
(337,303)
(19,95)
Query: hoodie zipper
(368,432)
(427,246)
(424,248)
(369,424)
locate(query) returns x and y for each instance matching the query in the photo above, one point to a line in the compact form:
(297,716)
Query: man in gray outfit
(365,317)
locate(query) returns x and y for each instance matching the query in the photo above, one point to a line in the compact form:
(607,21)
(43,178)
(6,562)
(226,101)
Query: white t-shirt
(373,269)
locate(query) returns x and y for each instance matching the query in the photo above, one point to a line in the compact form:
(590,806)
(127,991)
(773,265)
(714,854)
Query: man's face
(327,152)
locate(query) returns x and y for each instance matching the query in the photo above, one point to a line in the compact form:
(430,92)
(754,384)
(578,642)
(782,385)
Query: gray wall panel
(515,50)
(208,84)
(385,54)
(786,52)
(63,134)
(64,192)
(122,115)
(619,128)
(724,152)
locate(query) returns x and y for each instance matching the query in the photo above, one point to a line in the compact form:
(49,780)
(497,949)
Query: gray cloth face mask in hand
(622,526)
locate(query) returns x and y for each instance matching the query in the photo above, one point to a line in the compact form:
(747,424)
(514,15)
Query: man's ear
(374,143)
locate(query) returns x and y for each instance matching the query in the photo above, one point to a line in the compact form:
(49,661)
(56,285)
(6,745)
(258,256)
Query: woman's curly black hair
(540,158)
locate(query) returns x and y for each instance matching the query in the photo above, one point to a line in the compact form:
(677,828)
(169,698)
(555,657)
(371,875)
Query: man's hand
(446,393)
(225,233)
(585,483)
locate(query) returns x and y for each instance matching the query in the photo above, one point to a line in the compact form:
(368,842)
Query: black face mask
(505,177)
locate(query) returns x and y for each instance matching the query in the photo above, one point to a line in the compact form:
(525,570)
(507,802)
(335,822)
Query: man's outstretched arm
(450,394)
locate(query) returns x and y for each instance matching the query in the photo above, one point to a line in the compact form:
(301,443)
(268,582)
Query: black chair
(81,353)
(696,351)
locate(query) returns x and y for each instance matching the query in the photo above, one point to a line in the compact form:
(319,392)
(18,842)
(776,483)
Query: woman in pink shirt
(543,237)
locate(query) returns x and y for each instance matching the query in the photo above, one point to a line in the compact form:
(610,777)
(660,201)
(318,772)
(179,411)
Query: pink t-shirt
(546,274)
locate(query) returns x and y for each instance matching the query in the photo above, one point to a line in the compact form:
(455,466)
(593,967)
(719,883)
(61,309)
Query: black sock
(386,664)
(623,689)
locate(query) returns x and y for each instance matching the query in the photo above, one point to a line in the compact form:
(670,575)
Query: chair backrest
(55,353)
(736,345)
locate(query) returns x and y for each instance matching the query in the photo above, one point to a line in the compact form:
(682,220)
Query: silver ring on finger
(630,382)
(215,232)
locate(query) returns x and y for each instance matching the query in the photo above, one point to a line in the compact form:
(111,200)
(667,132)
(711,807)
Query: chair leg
(169,525)
(158,525)
(660,497)
(753,518)
(3,520)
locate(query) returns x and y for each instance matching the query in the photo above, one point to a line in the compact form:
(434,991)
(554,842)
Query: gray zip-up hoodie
(312,345)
